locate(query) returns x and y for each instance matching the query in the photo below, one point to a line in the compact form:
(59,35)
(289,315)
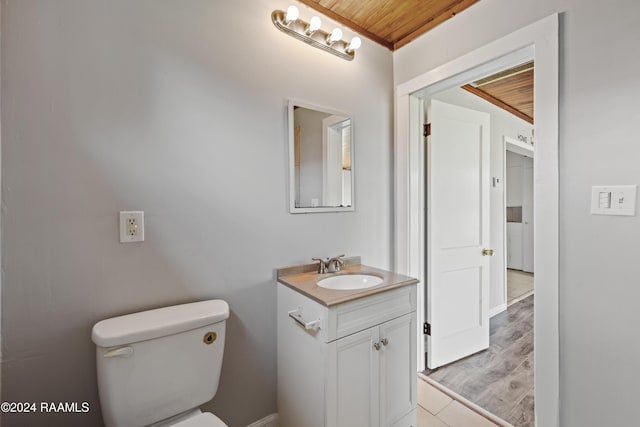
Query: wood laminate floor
(499,379)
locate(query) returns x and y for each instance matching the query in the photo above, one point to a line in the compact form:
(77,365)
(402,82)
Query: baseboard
(272,420)
(521,297)
(497,310)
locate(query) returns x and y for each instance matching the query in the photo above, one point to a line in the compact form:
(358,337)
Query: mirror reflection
(322,172)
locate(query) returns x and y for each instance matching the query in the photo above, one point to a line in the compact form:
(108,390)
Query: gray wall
(599,269)
(176,108)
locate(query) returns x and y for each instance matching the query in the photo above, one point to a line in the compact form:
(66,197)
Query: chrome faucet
(330,265)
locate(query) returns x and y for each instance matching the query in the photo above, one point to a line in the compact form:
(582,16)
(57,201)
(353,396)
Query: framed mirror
(321,174)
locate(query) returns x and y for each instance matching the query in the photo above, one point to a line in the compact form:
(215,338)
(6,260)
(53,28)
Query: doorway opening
(518,191)
(496,372)
(411,246)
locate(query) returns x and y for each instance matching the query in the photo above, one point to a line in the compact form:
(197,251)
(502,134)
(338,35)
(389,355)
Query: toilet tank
(159,363)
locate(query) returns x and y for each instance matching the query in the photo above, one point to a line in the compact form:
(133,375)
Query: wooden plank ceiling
(394,23)
(391,23)
(511,90)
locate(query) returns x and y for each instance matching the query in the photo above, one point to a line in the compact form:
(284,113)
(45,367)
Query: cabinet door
(352,380)
(398,376)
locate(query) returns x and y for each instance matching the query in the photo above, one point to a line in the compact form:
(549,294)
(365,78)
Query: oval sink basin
(344,282)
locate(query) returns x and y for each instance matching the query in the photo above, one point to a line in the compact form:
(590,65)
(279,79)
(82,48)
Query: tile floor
(519,285)
(436,409)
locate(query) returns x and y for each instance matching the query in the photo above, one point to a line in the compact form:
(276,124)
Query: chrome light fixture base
(297,28)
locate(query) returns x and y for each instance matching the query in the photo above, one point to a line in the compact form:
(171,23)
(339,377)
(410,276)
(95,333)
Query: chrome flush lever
(125,351)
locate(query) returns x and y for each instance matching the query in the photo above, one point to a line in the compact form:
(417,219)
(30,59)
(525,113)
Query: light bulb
(313,26)
(292,14)
(355,43)
(336,35)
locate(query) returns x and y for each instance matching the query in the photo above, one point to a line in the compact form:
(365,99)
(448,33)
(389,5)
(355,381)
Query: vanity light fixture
(310,33)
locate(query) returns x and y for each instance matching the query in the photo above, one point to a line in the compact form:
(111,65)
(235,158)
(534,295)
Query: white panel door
(457,233)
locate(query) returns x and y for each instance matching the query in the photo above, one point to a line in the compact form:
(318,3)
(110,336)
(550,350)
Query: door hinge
(427,129)
(427,328)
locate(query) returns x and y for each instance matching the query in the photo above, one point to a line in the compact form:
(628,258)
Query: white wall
(599,95)
(502,123)
(152,105)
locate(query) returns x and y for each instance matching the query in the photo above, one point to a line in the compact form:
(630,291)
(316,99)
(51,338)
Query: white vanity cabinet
(358,368)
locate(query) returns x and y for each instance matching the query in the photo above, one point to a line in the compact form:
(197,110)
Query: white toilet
(156,367)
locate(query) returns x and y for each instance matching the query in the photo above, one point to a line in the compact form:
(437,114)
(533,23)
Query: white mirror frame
(292,173)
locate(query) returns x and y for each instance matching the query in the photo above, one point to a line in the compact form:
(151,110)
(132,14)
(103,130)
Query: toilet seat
(206,419)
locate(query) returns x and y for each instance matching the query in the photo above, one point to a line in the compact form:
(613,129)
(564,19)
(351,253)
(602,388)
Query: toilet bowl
(156,367)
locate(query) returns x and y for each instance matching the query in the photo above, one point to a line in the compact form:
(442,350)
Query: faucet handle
(339,261)
(334,264)
(322,267)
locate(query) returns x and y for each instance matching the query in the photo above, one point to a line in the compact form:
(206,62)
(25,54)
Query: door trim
(540,37)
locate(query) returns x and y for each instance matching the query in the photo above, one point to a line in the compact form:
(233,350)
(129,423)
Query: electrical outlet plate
(131,226)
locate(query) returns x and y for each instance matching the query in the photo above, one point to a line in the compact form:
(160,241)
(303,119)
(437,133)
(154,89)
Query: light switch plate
(613,200)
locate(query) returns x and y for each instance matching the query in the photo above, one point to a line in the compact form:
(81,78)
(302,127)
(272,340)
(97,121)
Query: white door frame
(540,37)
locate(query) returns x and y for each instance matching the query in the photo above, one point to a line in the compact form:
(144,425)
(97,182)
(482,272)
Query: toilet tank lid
(159,322)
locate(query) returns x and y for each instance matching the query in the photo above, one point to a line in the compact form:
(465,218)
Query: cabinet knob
(376,345)
(384,341)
